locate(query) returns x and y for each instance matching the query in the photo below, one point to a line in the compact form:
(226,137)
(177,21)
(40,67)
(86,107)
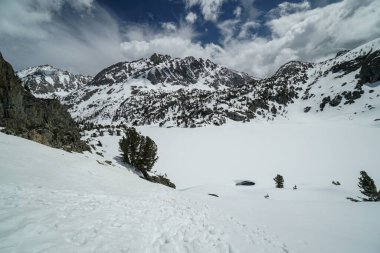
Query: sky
(254,36)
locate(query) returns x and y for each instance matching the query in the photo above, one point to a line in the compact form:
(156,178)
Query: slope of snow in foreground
(54,201)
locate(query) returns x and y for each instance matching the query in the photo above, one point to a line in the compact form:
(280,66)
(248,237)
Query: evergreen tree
(279,181)
(138,151)
(368,188)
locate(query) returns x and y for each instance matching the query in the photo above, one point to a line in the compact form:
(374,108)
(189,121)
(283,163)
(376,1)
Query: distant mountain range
(192,92)
(46,81)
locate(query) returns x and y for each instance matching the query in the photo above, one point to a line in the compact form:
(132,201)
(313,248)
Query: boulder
(245,183)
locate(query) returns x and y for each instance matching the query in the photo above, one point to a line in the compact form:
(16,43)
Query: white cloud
(169,26)
(77,35)
(249,8)
(191,17)
(306,35)
(287,8)
(228,29)
(237,12)
(172,45)
(210,8)
(246,29)
(37,34)
(143,41)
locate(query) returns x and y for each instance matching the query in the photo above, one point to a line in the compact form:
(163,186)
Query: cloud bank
(83,37)
(296,33)
(77,35)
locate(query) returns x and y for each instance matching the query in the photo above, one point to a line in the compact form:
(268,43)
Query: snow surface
(312,154)
(309,153)
(54,201)
(315,218)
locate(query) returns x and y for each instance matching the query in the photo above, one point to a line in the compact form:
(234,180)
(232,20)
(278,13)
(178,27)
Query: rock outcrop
(42,120)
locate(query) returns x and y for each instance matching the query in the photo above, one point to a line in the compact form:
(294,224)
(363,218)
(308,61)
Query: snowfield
(315,218)
(54,201)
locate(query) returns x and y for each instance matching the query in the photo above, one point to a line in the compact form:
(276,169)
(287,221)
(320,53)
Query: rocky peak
(342,52)
(159,58)
(162,69)
(292,68)
(46,81)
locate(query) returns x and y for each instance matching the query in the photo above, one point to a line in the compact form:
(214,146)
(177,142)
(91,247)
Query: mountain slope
(46,81)
(346,86)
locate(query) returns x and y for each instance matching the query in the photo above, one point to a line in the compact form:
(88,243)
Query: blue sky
(254,36)
(156,12)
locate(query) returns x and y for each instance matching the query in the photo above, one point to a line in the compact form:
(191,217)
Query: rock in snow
(245,183)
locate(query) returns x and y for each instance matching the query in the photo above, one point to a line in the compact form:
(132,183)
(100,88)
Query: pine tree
(279,181)
(138,151)
(368,188)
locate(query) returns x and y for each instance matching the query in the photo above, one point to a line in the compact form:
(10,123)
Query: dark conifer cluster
(368,188)
(138,151)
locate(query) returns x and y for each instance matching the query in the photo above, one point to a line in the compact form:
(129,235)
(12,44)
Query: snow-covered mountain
(46,81)
(162,70)
(346,86)
(158,90)
(193,92)
(190,92)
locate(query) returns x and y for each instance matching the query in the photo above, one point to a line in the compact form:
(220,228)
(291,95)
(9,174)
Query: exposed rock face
(48,82)
(172,71)
(42,120)
(342,52)
(370,68)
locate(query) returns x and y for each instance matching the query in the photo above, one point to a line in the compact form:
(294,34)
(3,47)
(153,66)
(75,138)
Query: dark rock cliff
(43,120)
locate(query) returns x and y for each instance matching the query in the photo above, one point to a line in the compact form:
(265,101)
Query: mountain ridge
(175,71)
(189,92)
(46,81)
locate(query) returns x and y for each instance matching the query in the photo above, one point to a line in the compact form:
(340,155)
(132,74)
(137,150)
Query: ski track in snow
(36,219)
